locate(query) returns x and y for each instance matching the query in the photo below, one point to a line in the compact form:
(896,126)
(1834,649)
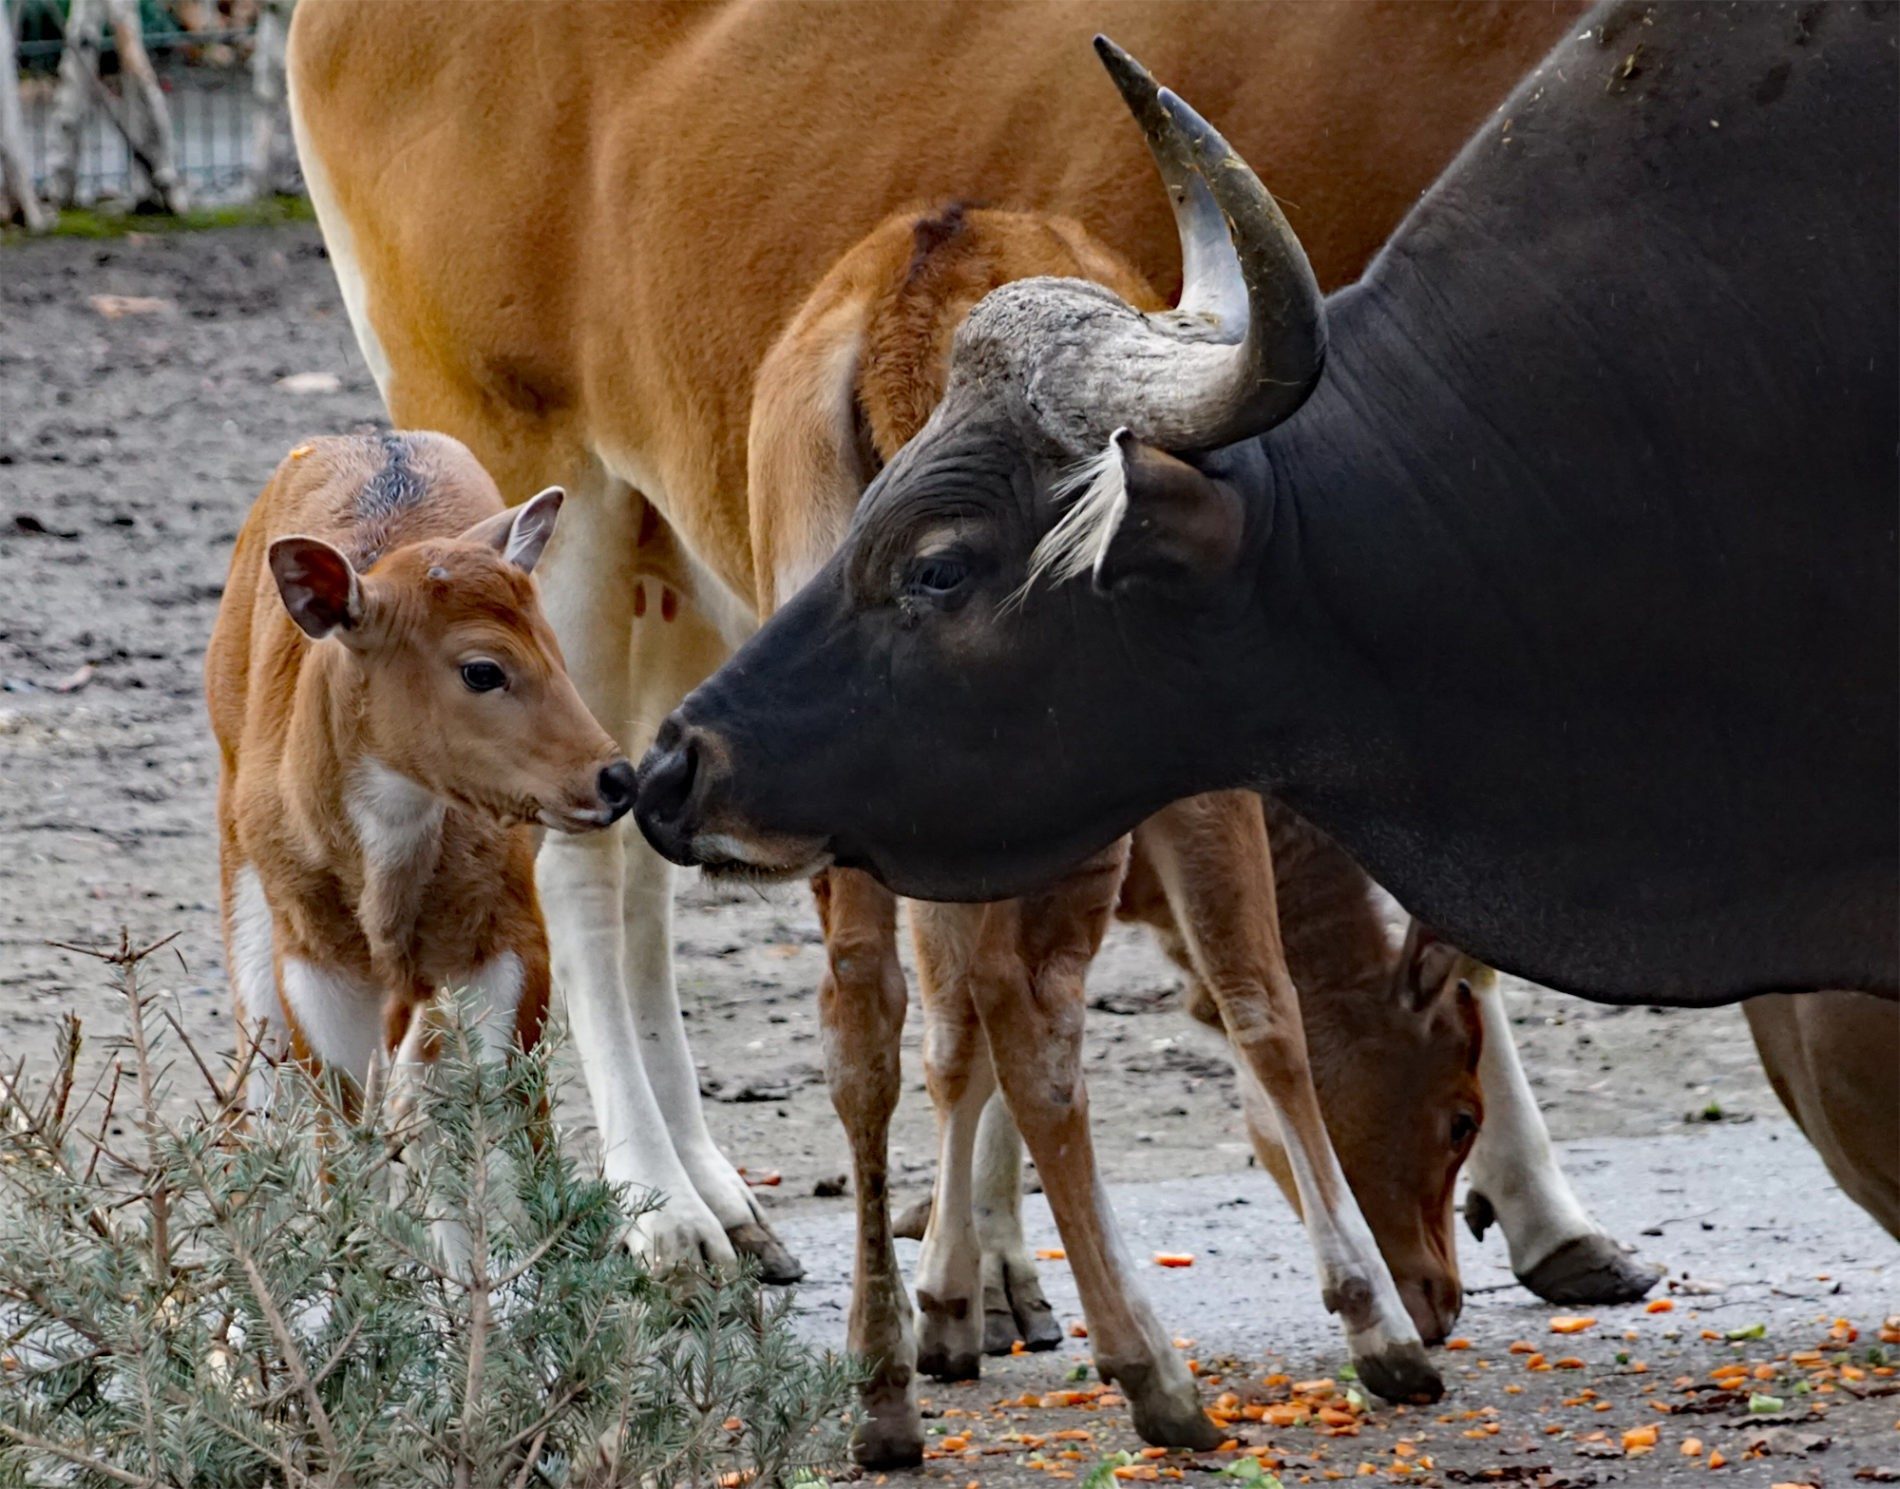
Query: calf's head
(461,682)
(1398,1082)
(1015,654)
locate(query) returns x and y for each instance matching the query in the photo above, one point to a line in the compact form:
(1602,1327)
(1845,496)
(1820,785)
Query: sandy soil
(129,448)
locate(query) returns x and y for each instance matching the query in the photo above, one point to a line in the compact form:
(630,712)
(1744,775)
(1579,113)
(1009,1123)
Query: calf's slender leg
(1212,857)
(960,1078)
(861,1007)
(1030,1000)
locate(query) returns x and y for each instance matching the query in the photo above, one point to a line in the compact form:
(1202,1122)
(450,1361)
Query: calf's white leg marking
(254,982)
(341,1018)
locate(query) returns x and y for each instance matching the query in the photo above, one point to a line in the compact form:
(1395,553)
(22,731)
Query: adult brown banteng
(567,234)
(1553,379)
(1393,1031)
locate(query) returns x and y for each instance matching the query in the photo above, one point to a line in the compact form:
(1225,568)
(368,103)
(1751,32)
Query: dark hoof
(912,1221)
(944,1362)
(890,1434)
(1016,1309)
(947,1338)
(776,1264)
(1400,1372)
(1166,1415)
(1592,1269)
(1480,1214)
(875,1448)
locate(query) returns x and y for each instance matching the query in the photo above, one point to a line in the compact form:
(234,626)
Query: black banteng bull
(1628,372)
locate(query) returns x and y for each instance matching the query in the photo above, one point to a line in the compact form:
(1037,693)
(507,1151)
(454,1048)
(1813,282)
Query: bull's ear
(1177,525)
(318,585)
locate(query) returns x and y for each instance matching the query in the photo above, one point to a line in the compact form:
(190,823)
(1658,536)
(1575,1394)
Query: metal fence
(206,80)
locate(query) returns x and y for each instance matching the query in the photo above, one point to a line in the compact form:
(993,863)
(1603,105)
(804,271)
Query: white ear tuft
(1079,542)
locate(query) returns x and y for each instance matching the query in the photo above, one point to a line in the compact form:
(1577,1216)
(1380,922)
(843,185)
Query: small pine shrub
(189,1302)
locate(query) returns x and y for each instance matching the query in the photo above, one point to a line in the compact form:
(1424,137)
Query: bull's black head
(1017,653)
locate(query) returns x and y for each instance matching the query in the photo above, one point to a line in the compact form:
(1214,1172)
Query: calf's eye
(483,677)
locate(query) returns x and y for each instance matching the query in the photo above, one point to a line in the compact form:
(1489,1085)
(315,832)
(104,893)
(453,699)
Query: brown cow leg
(960,1078)
(1211,854)
(1034,1026)
(861,1005)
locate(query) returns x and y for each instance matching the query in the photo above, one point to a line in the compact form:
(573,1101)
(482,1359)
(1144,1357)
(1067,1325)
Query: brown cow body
(651,219)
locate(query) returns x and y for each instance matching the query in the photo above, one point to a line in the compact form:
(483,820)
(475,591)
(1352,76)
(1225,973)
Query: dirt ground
(130,445)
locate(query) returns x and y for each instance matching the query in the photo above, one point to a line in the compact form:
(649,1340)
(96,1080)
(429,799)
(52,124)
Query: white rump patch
(1097,490)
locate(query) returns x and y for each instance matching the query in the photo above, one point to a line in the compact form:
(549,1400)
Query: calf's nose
(669,775)
(617,785)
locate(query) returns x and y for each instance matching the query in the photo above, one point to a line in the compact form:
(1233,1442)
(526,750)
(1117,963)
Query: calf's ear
(521,533)
(318,585)
(1177,525)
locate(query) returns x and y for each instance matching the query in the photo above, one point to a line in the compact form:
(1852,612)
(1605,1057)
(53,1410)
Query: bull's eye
(483,677)
(1464,1129)
(936,574)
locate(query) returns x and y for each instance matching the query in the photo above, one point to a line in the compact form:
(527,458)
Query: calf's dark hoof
(1014,1308)
(1166,1414)
(1400,1372)
(776,1264)
(1592,1269)
(891,1432)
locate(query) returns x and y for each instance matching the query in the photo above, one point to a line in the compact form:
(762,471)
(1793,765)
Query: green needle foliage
(413,1288)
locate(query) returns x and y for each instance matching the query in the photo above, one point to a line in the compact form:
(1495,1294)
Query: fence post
(145,123)
(273,164)
(16,176)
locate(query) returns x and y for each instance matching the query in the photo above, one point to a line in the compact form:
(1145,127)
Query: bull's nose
(617,784)
(669,777)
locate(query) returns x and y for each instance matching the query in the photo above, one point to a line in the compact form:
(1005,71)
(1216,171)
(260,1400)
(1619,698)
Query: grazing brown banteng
(393,722)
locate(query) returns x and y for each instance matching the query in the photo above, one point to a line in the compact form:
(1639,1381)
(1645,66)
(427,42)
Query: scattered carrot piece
(1639,1440)
(954,1444)
(1017,1347)
(1692,1447)
(1052,1254)
(1228,1445)
(1078,1330)
(1174,1258)
(732,1424)
(1661,1305)
(1571,1324)
(1568,1362)
(1457,1344)
(1716,1460)
(1312,1388)
(1522,1347)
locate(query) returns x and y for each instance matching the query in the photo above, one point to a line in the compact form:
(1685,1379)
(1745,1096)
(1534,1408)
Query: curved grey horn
(1247,341)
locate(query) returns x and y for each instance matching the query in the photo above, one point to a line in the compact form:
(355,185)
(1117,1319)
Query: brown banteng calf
(394,721)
